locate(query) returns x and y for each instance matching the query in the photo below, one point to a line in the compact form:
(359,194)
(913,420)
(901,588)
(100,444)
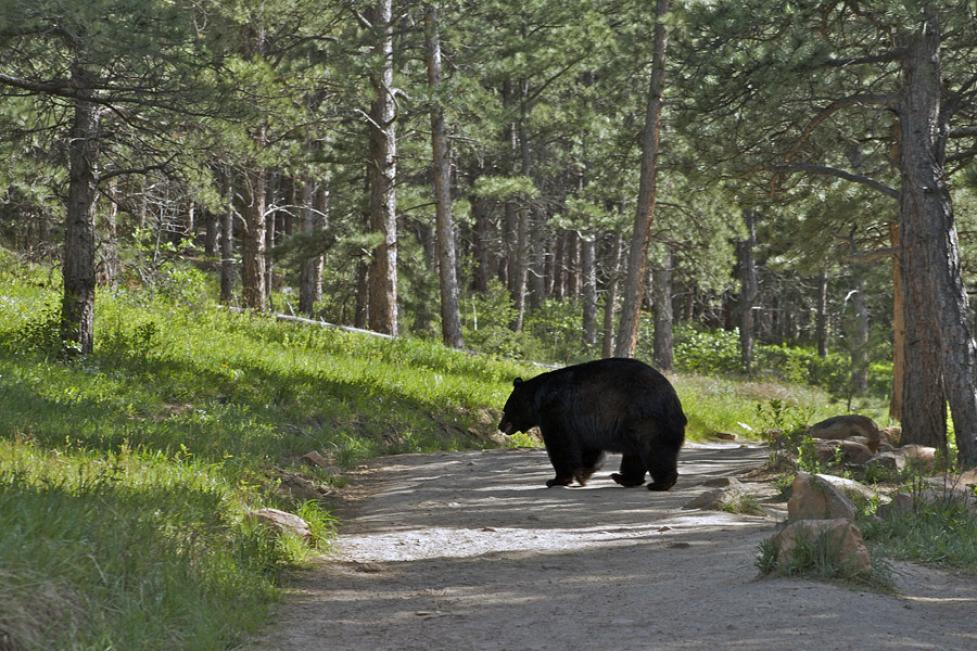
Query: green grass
(126,477)
(941,531)
(816,556)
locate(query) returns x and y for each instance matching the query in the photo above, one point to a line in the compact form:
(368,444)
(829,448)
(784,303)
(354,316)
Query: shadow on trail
(472,551)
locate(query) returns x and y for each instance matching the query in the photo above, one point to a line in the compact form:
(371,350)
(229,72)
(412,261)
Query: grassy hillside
(126,478)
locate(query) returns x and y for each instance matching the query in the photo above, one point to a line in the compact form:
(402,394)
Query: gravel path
(471,551)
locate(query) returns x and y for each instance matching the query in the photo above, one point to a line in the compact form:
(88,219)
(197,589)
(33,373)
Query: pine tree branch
(827,170)
(885,57)
(963,132)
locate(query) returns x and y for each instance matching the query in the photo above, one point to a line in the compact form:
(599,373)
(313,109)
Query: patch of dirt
(470,550)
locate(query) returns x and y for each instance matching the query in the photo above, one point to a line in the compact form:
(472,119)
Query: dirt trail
(471,551)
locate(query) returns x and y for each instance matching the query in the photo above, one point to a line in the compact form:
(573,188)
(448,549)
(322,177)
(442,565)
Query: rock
(886,461)
(855,453)
(826,450)
(843,538)
(283,521)
(711,500)
(900,503)
(919,456)
(723,482)
(891,435)
(813,498)
(313,458)
(858,493)
(299,487)
(845,427)
(724,436)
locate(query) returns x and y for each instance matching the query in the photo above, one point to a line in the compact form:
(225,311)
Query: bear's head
(519,414)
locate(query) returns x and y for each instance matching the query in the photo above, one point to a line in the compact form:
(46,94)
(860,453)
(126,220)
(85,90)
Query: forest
(779,191)
(560,180)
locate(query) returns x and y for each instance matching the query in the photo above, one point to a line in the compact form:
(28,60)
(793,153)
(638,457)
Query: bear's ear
(517,382)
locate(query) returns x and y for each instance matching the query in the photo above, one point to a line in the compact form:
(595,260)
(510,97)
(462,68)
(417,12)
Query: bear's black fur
(612,405)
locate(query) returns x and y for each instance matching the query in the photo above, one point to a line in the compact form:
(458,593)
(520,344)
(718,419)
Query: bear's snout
(506,427)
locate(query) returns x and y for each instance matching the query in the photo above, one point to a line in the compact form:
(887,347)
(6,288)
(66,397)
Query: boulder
(921,457)
(711,500)
(845,427)
(900,503)
(854,490)
(844,541)
(722,482)
(891,435)
(914,456)
(813,498)
(852,451)
(313,458)
(283,521)
(888,462)
(298,487)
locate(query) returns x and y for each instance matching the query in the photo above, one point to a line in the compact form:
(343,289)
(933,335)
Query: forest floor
(469,550)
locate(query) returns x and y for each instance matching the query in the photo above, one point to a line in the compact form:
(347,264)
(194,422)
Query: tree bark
(315,198)
(930,252)
(227,243)
(383,175)
(859,353)
(748,289)
(898,329)
(78,268)
(821,323)
(634,287)
(441,167)
(662,284)
(253,291)
(588,261)
(482,246)
(610,295)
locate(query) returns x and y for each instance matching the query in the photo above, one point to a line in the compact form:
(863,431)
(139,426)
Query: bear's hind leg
(632,471)
(663,465)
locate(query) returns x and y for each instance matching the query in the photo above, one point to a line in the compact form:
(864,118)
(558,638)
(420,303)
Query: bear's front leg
(563,452)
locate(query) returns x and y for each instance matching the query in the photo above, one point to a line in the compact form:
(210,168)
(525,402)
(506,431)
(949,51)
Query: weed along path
(470,551)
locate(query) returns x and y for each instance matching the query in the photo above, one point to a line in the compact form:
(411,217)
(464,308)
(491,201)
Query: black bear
(612,405)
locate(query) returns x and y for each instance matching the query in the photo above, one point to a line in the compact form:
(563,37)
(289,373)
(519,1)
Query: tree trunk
(821,324)
(78,269)
(270,235)
(588,255)
(610,295)
(315,198)
(571,264)
(748,289)
(558,289)
(482,245)
(383,175)
(931,257)
(537,266)
(898,329)
(859,353)
(111,265)
(253,290)
(227,243)
(663,312)
(634,288)
(441,167)
(361,314)
(521,268)
(211,233)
